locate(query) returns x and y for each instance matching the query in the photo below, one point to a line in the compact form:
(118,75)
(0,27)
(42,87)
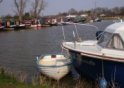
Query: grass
(10,80)
(66,82)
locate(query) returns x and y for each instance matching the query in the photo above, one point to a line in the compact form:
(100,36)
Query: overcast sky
(56,6)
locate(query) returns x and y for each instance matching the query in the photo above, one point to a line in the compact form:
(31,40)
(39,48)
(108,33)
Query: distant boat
(36,24)
(20,26)
(101,59)
(54,66)
(98,19)
(8,25)
(1,27)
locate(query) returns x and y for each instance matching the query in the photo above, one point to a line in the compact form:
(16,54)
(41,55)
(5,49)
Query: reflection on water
(18,49)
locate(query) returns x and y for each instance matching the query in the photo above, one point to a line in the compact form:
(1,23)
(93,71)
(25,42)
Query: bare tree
(20,7)
(38,6)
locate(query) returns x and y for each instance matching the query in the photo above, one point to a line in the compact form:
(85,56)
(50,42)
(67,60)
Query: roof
(115,28)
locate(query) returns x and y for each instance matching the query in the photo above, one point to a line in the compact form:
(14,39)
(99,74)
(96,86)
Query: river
(18,49)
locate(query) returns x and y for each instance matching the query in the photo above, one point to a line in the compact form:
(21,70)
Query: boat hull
(54,66)
(56,72)
(95,68)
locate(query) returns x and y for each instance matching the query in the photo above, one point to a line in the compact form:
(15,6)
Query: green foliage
(27,16)
(5,78)
(8,80)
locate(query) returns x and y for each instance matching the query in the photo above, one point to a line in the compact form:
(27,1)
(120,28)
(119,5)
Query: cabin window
(104,39)
(116,42)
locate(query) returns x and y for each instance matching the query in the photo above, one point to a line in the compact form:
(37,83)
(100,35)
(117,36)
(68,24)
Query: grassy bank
(10,80)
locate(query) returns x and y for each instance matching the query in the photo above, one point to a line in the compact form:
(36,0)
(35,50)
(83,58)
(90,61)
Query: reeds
(66,82)
(41,81)
(16,75)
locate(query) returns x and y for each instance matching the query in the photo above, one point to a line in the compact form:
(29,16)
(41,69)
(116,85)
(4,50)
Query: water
(18,49)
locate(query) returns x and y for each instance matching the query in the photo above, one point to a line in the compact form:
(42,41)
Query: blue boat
(101,59)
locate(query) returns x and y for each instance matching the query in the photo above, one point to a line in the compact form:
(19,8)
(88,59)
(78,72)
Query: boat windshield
(104,39)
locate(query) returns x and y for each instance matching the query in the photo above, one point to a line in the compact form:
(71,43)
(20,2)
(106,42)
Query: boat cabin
(112,37)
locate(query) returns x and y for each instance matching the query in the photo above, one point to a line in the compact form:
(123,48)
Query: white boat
(20,26)
(103,58)
(54,66)
(36,26)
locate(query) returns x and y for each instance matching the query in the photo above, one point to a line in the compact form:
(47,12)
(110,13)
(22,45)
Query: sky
(58,6)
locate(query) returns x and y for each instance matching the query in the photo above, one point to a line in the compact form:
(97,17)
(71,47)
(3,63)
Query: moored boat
(54,66)
(36,24)
(101,59)
(20,26)
(1,28)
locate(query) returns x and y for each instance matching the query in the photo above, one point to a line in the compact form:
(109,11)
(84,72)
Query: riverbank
(10,80)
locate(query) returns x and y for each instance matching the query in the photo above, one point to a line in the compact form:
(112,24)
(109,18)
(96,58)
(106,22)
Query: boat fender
(102,83)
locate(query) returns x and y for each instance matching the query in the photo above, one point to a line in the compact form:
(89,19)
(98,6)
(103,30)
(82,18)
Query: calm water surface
(18,49)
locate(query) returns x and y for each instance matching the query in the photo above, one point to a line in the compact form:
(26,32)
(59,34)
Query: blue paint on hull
(92,68)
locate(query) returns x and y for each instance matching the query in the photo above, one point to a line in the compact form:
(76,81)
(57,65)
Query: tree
(122,10)
(8,17)
(72,11)
(116,11)
(27,16)
(20,7)
(38,6)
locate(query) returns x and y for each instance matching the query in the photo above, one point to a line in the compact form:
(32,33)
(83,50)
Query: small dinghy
(54,66)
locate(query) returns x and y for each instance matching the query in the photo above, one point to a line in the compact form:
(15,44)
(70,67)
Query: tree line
(116,11)
(39,5)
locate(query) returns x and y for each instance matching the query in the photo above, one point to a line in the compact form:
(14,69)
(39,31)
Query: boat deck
(92,49)
(83,47)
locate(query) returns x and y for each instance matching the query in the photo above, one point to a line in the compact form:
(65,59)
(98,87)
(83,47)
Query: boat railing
(75,32)
(86,24)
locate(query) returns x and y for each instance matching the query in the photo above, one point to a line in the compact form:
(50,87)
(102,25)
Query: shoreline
(9,80)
